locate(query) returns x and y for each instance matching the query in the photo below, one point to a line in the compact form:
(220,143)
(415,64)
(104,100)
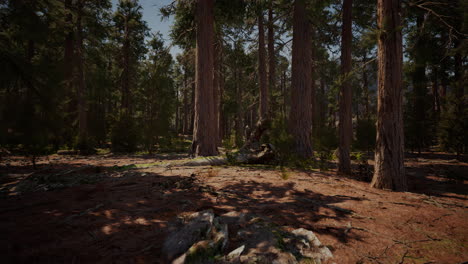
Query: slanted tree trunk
(204,131)
(81,84)
(262,68)
(345,126)
(389,164)
(300,117)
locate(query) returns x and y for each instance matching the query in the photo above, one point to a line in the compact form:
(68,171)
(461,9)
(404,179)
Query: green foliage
(453,126)
(281,139)
(125,135)
(325,138)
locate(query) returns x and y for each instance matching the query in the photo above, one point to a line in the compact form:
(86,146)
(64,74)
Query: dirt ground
(118,209)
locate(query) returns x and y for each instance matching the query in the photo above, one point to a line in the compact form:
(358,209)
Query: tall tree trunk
(216,87)
(300,117)
(435,91)
(365,88)
(221,92)
(262,68)
(68,59)
(271,50)
(345,126)
(185,129)
(81,84)
(125,104)
(205,130)
(239,125)
(419,84)
(389,153)
(192,113)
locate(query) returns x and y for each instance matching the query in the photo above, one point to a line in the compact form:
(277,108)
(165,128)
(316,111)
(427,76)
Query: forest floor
(117,209)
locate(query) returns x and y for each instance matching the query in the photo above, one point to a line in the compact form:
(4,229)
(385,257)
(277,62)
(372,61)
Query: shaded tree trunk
(186,124)
(239,125)
(262,68)
(125,103)
(389,156)
(221,92)
(192,119)
(345,127)
(435,91)
(205,129)
(217,88)
(365,88)
(419,85)
(68,59)
(271,50)
(81,84)
(300,117)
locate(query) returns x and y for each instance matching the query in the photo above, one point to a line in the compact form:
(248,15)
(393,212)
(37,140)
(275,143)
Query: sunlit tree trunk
(345,126)
(204,131)
(389,153)
(300,117)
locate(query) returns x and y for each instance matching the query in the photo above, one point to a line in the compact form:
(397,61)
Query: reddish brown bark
(300,117)
(389,168)
(345,126)
(204,131)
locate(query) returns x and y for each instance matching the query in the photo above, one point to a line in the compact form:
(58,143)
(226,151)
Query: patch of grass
(284,173)
(124,167)
(103,151)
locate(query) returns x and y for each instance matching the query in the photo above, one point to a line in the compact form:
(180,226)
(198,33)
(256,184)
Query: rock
(220,236)
(204,237)
(200,251)
(198,228)
(232,218)
(235,254)
(310,246)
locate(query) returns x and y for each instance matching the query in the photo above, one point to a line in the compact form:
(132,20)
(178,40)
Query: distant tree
(130,34)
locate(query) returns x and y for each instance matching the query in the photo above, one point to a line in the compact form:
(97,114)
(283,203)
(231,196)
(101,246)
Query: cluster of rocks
(236,237)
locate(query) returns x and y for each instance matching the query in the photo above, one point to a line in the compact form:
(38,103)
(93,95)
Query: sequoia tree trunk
(300,117)
(389,153)
(204,130)
(345,126)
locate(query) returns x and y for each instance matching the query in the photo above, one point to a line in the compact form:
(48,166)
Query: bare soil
(118,209)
